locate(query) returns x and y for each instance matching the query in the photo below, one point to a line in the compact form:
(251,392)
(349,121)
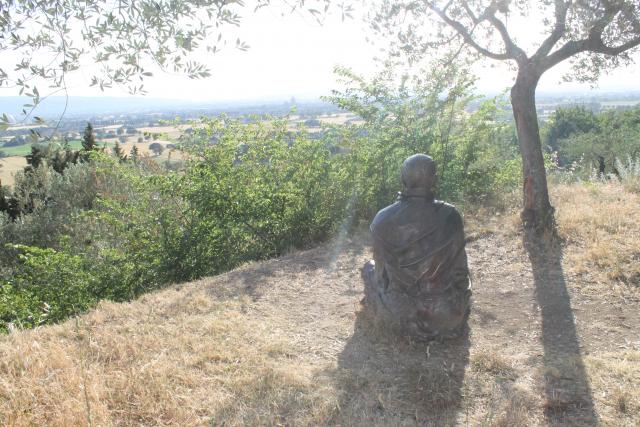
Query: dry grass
(172,131)
(285,342)
(9,166)
(615,376)
(494,364)
(601,224)
(122,364)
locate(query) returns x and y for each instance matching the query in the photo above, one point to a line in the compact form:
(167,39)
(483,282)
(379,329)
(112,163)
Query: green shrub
(257,192)
(629,173)
(426,114)
(593,140)
(47,286)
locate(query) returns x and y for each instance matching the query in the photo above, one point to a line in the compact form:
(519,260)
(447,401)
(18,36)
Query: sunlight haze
(291,54)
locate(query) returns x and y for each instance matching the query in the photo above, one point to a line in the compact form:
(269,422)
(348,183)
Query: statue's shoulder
(445,207)
(385,216)
(448,211)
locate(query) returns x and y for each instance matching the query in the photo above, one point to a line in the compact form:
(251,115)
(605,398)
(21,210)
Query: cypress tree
(89,139)
(119,152)
(135,153)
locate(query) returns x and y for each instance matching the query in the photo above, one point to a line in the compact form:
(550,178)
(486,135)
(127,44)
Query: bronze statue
(419,278)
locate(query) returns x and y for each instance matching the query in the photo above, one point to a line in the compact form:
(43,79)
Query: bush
(48,203)
(427,115)
(594,141)
(629,172)
(156,147)
(47,286)
(256,193)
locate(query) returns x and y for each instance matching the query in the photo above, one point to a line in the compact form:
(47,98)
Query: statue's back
(419,276)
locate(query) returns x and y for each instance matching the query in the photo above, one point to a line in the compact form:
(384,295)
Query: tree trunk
(537,213)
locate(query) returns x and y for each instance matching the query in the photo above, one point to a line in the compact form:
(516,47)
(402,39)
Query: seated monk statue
(419,278)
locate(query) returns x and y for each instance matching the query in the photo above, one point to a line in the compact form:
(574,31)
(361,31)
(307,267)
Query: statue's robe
(420,276)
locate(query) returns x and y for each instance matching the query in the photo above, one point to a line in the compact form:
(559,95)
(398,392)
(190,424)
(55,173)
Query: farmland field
(172,131)
(9,166)
(23,150)
(15,161)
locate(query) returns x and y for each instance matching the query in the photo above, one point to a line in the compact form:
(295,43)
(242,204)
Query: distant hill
(83,106)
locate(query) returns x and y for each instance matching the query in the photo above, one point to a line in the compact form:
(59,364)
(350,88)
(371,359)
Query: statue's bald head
(419,171)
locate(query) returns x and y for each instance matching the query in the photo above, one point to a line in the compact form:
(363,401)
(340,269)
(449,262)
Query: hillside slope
(286,341)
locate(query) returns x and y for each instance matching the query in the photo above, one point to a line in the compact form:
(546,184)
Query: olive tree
(592,35)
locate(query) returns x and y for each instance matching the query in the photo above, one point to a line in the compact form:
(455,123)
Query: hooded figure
(419,276)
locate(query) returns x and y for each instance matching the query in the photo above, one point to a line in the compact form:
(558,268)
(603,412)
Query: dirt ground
(287,342)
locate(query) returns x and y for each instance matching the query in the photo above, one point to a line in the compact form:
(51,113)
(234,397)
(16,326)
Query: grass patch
(491,362)
(23,150)
(601,224)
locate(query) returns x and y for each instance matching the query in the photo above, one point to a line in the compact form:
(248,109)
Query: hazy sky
(292,55)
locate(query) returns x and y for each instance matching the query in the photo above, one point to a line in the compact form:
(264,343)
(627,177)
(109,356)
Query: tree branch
(598,46)
(513,50)
(466,35)
(627,12)
(569,49)
(593,43)
(558,31)
(472,15)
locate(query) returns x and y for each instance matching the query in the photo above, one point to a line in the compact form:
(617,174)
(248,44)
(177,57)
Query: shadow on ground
(251,279)
(567,399)
(389,380)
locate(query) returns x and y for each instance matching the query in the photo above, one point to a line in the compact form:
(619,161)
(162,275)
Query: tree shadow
(567,399)
(387,379)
